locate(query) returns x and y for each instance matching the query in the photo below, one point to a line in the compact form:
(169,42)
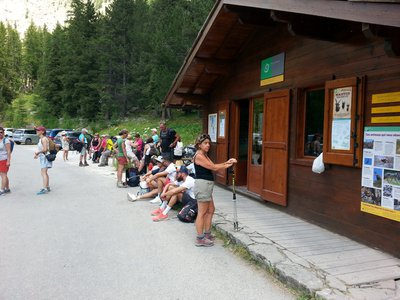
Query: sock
(163,205)
(166,210)
(207,232)
(200,236)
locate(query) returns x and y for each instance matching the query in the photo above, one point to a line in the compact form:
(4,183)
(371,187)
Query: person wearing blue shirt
(83,157)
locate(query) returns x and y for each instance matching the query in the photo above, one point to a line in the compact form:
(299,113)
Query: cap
(84,130)
(183,169)
(40,128)
(154,129)
(103,135)
(159,159)
(63,132)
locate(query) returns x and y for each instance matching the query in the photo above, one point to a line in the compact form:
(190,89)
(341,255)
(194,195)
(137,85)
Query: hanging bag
(318,164)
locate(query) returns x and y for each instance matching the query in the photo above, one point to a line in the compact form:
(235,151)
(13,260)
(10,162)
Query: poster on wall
(380,180)
(221,129)
(212,127)
(341,118)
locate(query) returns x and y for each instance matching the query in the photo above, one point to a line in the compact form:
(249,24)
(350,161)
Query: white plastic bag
(318,164)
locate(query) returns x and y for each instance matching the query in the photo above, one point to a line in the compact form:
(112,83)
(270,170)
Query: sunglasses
(204,137)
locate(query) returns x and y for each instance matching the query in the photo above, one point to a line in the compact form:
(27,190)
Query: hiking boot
(156,212)
(80,164)
(42,192)
(160,217)
(132,197)
(210,237)
(86,164)
(156,200)
(6,191)
(204,242)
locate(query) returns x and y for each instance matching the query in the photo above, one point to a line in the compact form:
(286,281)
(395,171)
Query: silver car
(25,136)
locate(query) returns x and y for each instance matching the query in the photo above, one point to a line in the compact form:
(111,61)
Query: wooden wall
(331,199)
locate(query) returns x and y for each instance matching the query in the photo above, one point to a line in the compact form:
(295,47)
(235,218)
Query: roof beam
(215,66)
(374,13)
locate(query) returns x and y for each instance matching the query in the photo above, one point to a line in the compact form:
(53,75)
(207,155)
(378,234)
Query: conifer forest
(99,67)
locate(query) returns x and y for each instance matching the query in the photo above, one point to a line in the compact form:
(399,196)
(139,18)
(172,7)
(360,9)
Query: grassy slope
(187,126)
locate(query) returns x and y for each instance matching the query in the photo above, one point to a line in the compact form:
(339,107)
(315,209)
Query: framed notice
(221,124)
(212,127)
(380,180)
(342,122)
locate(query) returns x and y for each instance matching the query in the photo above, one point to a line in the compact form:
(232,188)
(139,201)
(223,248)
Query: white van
(25,136)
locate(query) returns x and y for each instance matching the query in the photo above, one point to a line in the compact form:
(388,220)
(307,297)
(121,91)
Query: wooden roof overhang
(232,23)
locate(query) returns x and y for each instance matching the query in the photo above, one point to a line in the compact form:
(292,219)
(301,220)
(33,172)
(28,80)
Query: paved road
(85,241)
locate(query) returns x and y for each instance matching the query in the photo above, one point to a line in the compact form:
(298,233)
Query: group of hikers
(155,164)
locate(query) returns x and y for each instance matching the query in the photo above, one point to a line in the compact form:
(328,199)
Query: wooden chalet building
(279,82)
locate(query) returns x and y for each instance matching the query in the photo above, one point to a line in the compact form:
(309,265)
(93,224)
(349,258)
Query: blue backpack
(11,144)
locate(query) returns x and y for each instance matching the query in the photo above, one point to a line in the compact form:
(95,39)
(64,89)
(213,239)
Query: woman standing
(42,149)
(203,189)
(65,145)
(122,157)
(5,160)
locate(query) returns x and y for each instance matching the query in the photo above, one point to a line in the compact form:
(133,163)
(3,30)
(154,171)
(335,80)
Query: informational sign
(272,69)
(380,183)
(212,127)
(341,129)
(221,129)
(341,118)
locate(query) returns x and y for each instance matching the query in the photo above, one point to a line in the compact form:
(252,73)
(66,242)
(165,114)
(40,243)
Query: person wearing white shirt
(181,190)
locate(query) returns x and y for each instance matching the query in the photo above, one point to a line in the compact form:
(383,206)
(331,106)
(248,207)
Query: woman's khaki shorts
(203,190)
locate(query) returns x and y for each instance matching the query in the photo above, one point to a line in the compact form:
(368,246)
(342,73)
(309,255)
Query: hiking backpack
(11,144)
(188,213)
(52,147)
(153,151)
(132,177)
(77,145)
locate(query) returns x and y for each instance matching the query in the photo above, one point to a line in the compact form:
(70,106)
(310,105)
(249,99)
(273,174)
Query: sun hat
(159,159)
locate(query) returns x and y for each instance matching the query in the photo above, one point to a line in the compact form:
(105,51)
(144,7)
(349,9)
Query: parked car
(25,136)
(53,132)
(72,135)
(9,132)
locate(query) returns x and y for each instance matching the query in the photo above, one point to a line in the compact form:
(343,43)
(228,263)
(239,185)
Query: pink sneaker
(156,212)
(204,242)
(210,237)
(160,217)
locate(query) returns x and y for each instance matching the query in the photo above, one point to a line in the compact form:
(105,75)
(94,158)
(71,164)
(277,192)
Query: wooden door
(222,140)
(255,161)
(275,146)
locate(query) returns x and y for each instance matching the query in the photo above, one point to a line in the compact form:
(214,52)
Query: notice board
(380,180)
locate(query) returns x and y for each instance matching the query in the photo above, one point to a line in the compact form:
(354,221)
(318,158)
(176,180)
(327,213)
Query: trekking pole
(235,217)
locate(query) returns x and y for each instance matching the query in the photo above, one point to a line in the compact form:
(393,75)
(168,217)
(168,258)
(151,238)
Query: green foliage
(99,68)
(24,110)
(188,126)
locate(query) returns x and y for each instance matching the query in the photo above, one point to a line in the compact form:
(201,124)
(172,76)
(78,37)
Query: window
(314,122)
(257,131)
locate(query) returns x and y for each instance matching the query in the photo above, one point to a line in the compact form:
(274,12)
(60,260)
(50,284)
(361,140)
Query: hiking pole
(235,217)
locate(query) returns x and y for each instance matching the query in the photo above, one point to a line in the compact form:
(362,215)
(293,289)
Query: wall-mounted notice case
(343,121)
